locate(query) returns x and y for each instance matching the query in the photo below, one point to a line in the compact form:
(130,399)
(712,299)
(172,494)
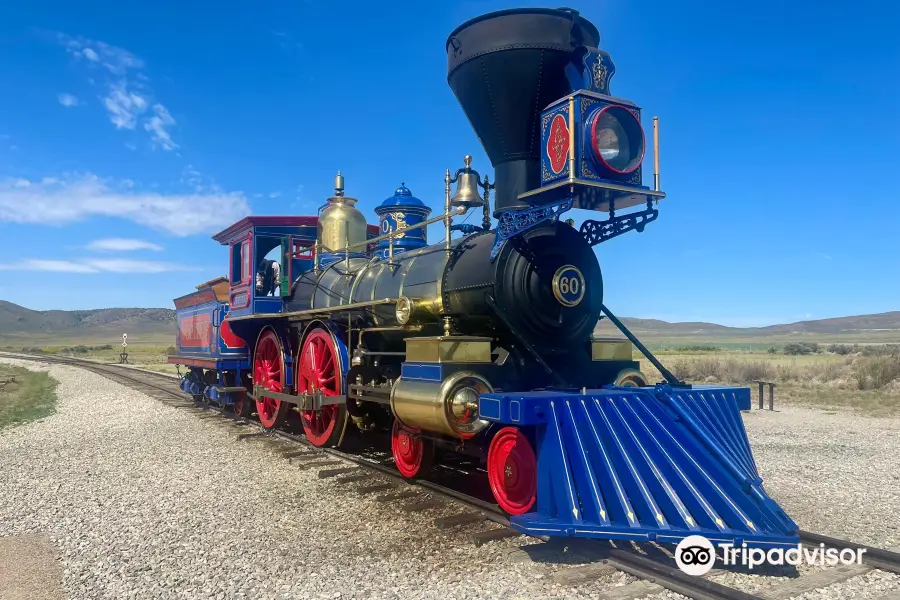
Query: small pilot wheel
(631,378)
(413,455)
(512,471)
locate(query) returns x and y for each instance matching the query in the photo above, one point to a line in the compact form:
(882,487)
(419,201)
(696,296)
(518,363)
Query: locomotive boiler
(482,344)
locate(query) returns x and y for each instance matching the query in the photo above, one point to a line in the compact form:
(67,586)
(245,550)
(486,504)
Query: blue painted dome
(402,198)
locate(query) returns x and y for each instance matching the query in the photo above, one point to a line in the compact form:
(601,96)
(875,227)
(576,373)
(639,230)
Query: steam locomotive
(481,345)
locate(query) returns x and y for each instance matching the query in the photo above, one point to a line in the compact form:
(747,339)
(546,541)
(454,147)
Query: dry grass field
(838,376)
(864,378)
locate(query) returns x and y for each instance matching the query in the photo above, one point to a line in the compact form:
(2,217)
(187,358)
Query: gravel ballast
(146,501)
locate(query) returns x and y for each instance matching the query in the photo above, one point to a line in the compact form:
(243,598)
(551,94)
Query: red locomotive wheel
(268,372)
(413,455)
(512,471)
(241,407)
(318,368)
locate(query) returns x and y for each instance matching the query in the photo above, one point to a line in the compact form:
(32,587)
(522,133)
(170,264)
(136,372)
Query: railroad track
(653,569)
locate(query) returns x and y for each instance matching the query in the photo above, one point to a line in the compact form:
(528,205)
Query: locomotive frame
(482,345)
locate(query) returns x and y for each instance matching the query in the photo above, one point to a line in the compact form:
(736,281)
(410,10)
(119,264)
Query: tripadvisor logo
(695,555)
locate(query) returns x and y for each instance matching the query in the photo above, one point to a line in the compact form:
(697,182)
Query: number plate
(568,285)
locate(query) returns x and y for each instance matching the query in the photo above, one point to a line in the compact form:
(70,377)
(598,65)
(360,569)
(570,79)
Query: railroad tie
(307,458)
(489,535)
(456,520)
(313,465)
(583,574)
(368,489)
(813,581)
(293,453)
(420,506)
(632,591)
(326,473)
(352,478)
(396,496)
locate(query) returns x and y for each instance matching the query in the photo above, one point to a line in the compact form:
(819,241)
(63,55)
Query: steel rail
(879,558)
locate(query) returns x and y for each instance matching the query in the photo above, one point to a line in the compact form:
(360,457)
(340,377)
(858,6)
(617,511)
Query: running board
(645,464)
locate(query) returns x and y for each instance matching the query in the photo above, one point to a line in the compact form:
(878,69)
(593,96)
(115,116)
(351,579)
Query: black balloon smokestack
(504,68)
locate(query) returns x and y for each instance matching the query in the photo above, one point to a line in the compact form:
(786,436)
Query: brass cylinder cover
(340,222)
(449,407)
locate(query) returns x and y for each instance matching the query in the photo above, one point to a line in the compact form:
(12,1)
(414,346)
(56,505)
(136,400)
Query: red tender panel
(195,331)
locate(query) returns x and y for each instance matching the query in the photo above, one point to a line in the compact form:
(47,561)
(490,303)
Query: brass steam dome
(340,221)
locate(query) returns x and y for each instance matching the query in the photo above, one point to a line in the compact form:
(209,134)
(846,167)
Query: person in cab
(268,277)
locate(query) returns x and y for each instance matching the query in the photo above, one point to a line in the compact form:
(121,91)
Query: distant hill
(19,324)
(881,327)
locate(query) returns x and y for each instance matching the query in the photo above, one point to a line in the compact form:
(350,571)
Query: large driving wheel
(268,373)
(319,368)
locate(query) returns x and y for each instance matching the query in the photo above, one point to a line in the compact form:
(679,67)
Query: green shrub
(876,372)
(800,348)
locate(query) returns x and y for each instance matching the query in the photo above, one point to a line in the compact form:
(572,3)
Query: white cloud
(122,245)
(124,106)
(128,93)
(274,194)
(70,198)
(115,265)
(67,100)
(157,127)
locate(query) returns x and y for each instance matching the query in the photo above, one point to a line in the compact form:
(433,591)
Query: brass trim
(317,311)
(656,153)
(572,138)
(448,349)
(459,210)
(596,184)
(611,349)
(558,293)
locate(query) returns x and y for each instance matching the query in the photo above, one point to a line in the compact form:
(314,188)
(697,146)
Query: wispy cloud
(823,256)
(128,99)
(75,197)
(197,181)
(113,265)
(67,100)
(122,245)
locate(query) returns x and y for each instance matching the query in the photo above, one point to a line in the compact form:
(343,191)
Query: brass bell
(467,187)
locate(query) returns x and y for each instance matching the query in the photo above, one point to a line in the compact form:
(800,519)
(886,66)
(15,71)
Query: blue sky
(128,137)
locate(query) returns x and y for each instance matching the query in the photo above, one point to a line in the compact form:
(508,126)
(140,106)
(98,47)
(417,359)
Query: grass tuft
(25,395)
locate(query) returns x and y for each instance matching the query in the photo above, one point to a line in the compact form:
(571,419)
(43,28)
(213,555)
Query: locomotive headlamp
(403,310)
(617,139)
(416,310)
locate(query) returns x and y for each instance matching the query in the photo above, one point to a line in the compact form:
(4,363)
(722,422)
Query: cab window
(245,261)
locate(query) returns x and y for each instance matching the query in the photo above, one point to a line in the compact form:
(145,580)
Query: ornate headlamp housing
(615,139)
